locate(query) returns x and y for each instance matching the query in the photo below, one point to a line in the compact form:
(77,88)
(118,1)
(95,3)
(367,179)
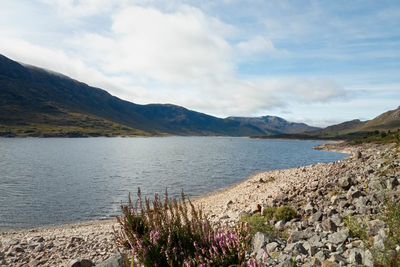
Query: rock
(345,183)
(299,235)
(80,263)
(355,256)
(114,261)
(358,155)
(368,259)
(316,217)
(391,183)
(328,225)
(260,240)
(354,194)
(309,208)
(280,225)
(271,247)
(338,237)
(329,264)
(374,226)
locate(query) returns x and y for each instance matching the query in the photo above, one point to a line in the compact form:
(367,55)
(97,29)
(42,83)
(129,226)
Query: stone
(345,183)
(328,225)
(374,226)
(355,256)
(329,264)
(80,263)
(280,225)
(271,247)
(296,248)
(260,240)
(368,259)
(316,217)
(309,208)
(338,237)
(299,235)
(114,261)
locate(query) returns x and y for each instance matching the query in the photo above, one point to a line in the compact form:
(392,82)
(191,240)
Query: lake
(60,180)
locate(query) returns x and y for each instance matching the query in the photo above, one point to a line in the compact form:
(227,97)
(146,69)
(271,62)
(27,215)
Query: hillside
(273,125)
(37,102)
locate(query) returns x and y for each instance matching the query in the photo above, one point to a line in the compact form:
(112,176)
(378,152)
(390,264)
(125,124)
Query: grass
(258,223)
(380,137)
(68,124)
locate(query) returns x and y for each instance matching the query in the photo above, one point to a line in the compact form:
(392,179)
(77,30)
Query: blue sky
(320,62)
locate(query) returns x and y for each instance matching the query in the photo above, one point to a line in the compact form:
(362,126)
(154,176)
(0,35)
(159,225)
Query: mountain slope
(39,102)
(273,125)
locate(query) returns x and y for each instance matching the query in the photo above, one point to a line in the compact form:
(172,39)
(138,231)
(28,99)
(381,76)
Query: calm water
(60,181)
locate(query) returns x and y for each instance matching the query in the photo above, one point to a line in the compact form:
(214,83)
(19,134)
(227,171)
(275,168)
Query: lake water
(61,180)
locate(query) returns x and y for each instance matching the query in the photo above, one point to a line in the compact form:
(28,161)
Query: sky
(319,62)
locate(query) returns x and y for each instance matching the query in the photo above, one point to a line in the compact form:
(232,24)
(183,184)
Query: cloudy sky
(321,62)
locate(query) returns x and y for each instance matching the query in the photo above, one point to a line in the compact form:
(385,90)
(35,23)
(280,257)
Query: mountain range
(39,102)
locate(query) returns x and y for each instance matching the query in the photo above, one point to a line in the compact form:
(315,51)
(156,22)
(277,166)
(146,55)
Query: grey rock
(280,225)
(355,256)
(80,263)
(338,237)
(328,225)
(296,248)
(374,226)
(271,247)
(368,259)
(114,261)
(316,217)
(309,208)
(299,235)
(322,255)
(260,240)
(345,183)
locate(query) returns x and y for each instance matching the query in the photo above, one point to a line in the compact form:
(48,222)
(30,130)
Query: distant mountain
(389,120)
(273,125)
(38,102)
(337,129)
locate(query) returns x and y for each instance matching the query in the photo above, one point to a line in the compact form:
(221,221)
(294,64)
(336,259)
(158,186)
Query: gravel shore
(56,246)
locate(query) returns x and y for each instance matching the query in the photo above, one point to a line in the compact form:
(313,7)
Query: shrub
(389,255)
(258,223)
(175,233)
(285,213)
(268,212)
(356,227)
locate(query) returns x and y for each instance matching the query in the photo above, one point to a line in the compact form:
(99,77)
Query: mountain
(38,102)
(273,125)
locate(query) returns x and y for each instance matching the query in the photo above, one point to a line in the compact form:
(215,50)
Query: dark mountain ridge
(30,95)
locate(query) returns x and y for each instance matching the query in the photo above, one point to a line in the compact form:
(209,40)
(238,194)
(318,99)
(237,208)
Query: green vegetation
(356,227)
(258,223)
(285,213)
(176,233)
(390,254)
(67,124)
(269,212)
(380,137)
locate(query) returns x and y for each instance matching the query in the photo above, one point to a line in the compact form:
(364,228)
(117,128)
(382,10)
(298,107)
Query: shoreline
(94,239)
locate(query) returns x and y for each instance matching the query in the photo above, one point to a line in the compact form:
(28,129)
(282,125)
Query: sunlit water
(61,180)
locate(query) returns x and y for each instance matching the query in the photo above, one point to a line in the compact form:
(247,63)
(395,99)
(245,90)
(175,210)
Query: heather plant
(176,233)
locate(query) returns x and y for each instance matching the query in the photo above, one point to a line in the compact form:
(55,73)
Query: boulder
(338,237)
(260,240)
(80,263)
(114,261)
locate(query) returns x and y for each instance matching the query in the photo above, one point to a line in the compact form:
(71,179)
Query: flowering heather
(176,233)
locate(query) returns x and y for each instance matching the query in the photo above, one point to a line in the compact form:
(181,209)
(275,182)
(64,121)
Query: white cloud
(182,56)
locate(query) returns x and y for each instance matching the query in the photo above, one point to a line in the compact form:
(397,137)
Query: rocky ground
(322,195)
